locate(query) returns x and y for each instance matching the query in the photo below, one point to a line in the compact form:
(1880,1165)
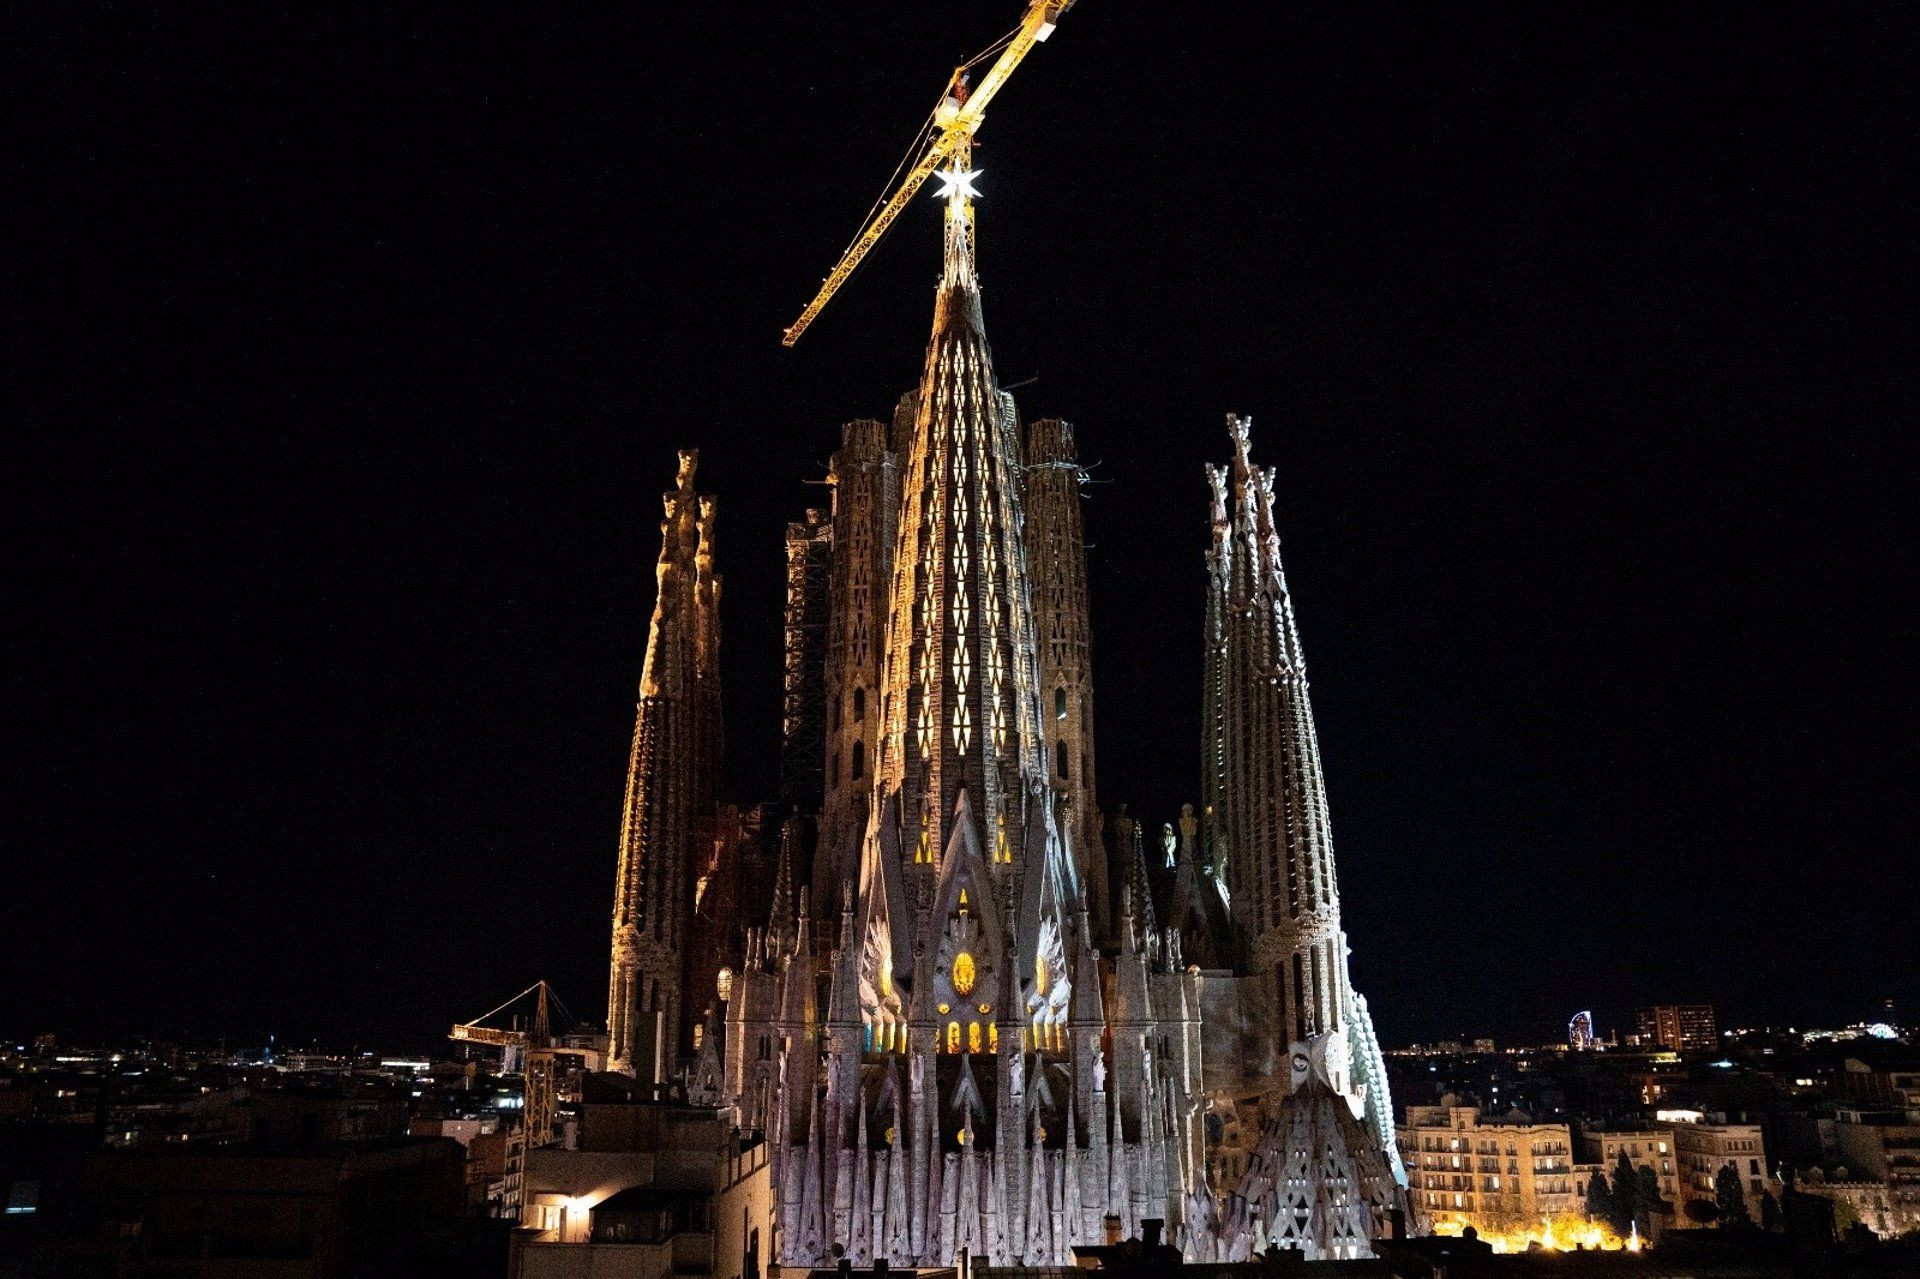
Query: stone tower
(866,493)
(1057,564)
(1325,1173)
(672,782)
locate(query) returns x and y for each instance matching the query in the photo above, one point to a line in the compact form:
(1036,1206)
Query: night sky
(347,354)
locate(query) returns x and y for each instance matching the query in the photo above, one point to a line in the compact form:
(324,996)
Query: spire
(670,770)
(1325,1171)
(1285,903)
(959,696)
(780,915)
(959,300)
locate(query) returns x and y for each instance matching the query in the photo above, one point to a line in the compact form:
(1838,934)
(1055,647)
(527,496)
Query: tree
(1646,1197)
(1730,1199)
(1625,1196)
(1599,1202)
(1769,1211)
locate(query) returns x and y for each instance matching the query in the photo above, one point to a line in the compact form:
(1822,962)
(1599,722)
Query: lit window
(1059,703)
(723,984)
(974,1038)
(953,1036)
(963,974)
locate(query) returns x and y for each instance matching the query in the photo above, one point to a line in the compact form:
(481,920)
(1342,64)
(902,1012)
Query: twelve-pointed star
(955,182)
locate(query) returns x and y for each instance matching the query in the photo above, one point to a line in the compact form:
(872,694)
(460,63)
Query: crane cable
(916,150)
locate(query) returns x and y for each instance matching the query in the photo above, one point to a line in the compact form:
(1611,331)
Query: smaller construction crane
(947,135)
(534,1047)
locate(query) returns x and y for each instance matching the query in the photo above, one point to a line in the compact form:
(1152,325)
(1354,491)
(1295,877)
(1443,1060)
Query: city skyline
(340,623)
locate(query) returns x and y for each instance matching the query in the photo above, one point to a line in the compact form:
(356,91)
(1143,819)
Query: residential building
(1644,1148)
(1680,1027)
(655,1188)
(1492,1173)
(1882,1145)
(1702,1149)
(1872,1203)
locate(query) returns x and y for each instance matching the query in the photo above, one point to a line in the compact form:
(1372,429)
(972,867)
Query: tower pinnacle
(959,285)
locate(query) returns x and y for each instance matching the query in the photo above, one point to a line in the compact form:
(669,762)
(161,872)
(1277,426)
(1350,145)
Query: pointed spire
(959,297)
(860,1241)
(780,915)
(669,768)
(812,1227)
(1264,755)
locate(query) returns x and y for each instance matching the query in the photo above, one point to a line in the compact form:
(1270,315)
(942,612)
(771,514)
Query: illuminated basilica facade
(976,1017)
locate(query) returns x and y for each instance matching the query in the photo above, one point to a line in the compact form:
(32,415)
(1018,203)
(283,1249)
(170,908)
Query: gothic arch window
(858,766)
(1059,703)
(953,1036)
(1060,758)
(859,705)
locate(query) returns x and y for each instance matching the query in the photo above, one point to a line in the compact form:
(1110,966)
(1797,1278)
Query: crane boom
(957,118)
(490,1035)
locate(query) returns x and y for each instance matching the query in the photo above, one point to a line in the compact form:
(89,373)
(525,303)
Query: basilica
(968,1012)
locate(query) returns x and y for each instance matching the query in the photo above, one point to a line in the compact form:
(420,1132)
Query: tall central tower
(969,1085)
(960,699)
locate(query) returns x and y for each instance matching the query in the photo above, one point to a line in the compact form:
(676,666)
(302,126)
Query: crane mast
(538,1051)
(955,121)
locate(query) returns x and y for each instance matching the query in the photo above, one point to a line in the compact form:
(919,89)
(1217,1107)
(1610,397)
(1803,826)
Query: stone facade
(1495,1173)
(970,1023)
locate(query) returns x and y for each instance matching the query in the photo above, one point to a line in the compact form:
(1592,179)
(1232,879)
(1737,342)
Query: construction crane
(946,136)
(535,1047)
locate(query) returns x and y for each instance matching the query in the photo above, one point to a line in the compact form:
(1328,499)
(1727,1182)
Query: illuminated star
(954,182)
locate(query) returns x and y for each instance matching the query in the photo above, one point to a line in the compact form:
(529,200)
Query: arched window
(859,705)
(953,1036)
(1059,703)
(1060,758)
(859,765)
(974,1041)
(963,974)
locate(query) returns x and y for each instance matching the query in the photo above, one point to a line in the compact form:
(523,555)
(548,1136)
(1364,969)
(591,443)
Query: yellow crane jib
(955,121)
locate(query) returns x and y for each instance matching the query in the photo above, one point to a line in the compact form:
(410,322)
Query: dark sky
(347,353)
